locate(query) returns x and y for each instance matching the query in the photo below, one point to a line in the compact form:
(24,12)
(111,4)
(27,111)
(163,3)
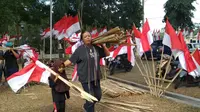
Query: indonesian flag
(45,33)
(142,43)
(102,31)
(123,49)
(26,52)
(196,58)
(67,26)
(94,31)
(33,72)
(4,40)
(147,33)
(74,74)
(186,60)
(198,35)
(74,38)
(171,40)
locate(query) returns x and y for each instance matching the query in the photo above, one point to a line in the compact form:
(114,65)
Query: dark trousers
(94,90)
(10,71)
(59,106)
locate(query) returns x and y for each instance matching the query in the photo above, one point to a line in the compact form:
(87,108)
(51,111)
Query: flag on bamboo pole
(32,72)
(196,58)
(147,32)
(171,40)
(66,27)
(45,33)
(186,59)
(142,43)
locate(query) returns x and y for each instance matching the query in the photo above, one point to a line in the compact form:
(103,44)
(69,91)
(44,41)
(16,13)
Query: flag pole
(50,29)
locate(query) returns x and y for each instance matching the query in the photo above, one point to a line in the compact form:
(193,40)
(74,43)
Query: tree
(100,13)
(179,12)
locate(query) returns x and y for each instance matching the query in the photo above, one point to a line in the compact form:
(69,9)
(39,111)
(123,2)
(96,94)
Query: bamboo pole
(177,74)
(149,71)
(125,104)
(84,94)
(148,80)
(103,105)
(166,71)
(126,109)
(159,70)
(154,73)
(157,78)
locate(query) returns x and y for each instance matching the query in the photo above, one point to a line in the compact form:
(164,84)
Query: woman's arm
(15,54)
(67,63)
(106,51)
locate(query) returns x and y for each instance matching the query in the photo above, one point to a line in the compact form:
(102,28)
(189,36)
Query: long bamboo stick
(154,72)
(159,69)
(177,74)
(166,71)
(84,94)
(149,74)
(112,31)
(148,80)
(125,104)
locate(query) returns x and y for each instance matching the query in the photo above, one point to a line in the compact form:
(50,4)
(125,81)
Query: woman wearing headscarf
(59,89)
(87,57)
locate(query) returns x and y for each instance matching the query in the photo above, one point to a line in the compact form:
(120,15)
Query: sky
(154,12)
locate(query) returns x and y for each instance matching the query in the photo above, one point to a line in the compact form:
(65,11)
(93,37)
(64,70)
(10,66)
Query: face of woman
(87,38)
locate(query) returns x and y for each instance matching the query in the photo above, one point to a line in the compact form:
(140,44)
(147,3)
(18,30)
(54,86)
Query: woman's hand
(107,52)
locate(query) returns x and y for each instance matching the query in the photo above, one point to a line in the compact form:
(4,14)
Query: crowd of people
(87,57)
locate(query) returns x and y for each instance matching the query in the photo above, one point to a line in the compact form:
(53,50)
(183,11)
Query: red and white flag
(74,74)
(33,72)
(94,31)
(171,40)
(198,35)
(147,32)
(142,43)
(102,31)
(196,58)
(186,59)
(66,27)
(45,33)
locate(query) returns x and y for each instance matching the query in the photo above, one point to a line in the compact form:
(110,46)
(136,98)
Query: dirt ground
(135,76)
(37,98)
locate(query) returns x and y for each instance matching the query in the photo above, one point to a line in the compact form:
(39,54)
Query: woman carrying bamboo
(87,58)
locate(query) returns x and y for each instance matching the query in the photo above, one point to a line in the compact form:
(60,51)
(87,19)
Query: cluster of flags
(7,38)
(65,27)
(180,50)
(175,41)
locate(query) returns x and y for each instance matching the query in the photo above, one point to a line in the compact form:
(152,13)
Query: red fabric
(175,42)
(68,50)
(21,72)
(144,40)
(112,48)
(129,49)
(196,56)
(45,31)
(188,58)
(145,29)
(37,74)
(116,51)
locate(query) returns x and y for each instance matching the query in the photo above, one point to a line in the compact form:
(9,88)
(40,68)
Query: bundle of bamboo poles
(156,83)
(114,35)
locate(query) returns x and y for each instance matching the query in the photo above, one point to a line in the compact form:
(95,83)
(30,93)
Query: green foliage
(179,12)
